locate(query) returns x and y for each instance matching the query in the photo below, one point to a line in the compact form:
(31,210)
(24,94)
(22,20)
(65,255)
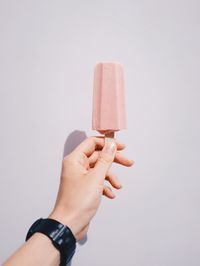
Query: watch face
(63,237)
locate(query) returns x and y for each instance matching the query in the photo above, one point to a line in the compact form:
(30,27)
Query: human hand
(82,182)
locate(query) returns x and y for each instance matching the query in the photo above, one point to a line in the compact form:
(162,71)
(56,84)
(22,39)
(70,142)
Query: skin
(82,184)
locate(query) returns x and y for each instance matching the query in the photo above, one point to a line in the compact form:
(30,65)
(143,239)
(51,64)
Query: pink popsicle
(109,114)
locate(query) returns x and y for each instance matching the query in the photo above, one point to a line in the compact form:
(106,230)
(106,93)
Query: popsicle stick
(109,136)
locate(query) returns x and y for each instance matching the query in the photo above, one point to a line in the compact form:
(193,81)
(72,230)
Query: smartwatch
(61,236)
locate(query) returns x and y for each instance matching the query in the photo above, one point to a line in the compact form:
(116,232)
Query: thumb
(106,158)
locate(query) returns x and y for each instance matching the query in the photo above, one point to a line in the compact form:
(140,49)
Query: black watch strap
(60,235)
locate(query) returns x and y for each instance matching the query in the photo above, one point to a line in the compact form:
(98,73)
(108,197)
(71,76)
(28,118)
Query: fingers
(107,191)
(113,180)
(105,159)
(119,158)
(89,145)
(93,158)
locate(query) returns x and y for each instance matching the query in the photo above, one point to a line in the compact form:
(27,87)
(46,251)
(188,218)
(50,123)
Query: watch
(60,235)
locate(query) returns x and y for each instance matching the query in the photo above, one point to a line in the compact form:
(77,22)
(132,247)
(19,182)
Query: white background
(48,50)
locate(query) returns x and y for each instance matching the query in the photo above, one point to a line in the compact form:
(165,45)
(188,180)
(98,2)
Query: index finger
(89,145)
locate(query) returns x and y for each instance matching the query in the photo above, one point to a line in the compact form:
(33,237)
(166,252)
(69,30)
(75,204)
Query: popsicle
(109,114)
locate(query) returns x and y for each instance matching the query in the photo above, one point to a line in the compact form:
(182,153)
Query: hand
(82,182)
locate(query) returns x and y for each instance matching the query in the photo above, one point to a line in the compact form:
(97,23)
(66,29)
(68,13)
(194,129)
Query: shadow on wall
(72,141)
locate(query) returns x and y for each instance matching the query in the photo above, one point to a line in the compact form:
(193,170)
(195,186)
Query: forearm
(38,250)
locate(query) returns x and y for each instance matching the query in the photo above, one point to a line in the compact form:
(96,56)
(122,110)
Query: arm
(38,250)
(81,187)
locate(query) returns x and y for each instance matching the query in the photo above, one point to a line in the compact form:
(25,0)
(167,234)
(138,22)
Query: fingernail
(110,147)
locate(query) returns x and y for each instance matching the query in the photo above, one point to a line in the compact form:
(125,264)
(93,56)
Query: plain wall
(48,50)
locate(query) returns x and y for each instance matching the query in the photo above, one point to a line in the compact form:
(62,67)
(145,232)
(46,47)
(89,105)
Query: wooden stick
(109,136)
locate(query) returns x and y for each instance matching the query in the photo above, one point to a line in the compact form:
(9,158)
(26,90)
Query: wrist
(67,220)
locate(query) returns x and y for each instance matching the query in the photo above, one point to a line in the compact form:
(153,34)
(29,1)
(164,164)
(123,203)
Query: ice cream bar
(109,114)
